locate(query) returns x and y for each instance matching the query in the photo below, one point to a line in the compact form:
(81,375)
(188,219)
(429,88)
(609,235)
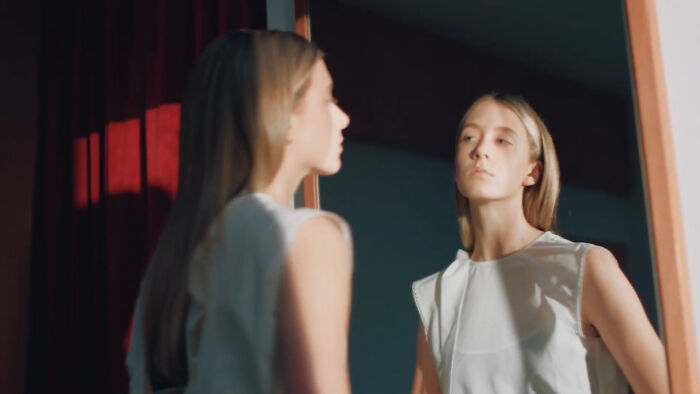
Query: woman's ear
(534,173)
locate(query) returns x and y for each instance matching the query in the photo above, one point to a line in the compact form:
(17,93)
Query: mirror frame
(303,28)
(662,195)
(661,189)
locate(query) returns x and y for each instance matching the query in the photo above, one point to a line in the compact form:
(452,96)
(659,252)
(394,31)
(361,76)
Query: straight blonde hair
(539,200)
(234,121)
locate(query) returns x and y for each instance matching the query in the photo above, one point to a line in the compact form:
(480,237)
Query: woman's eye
(468,138)
(503,141)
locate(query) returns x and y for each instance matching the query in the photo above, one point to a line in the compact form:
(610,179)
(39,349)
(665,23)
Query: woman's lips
(481,171)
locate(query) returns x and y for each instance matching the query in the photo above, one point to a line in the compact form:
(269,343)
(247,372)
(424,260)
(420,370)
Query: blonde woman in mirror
(243,293)
(525,310)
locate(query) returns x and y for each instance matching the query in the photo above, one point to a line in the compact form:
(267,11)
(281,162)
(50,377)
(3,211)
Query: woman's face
(493,155)
(317,125)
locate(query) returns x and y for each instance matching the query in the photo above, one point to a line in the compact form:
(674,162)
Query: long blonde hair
(539,200)
(234,120)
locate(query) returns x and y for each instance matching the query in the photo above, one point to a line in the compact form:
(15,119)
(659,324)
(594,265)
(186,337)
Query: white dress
(513,325)
(233,284)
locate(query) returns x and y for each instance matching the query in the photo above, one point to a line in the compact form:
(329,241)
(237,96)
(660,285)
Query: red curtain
(112,76)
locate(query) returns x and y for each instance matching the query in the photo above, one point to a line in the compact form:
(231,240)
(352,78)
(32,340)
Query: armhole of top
(422,316)
(341,223)
(583,255)
(302,216)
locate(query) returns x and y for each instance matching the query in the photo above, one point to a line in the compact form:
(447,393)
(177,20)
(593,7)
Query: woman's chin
(328,168)
(478,194)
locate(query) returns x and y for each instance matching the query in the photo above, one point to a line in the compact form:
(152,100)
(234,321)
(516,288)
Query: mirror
(405,71)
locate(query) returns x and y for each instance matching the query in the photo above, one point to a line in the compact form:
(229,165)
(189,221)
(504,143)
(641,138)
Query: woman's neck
(500,228)
(283,185)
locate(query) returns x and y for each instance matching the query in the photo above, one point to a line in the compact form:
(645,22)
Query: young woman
(244,294)
(525,310)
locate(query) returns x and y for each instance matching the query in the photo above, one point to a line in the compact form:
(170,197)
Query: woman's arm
(611,306)
(425,379)
(314,310)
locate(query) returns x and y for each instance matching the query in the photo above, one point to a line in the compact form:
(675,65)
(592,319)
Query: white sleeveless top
(513,325)
(233,284)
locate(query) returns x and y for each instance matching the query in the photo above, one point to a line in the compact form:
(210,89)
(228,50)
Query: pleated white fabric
(513,325)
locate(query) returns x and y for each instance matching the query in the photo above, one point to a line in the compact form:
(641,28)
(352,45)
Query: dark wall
(405,91)
(407,88)
(19,29)
(398,206)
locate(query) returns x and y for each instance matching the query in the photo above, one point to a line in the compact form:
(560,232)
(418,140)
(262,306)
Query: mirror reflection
(407,72)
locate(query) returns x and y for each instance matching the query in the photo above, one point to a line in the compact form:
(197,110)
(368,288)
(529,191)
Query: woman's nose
(480,151)
(344,119)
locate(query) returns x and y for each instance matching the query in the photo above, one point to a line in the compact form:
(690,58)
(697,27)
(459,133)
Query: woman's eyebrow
(499,128)
(508,130)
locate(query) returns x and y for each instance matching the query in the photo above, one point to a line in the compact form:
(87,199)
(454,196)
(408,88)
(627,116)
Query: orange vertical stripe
(123,156)
(311,194)
(663,197)
(162,144)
